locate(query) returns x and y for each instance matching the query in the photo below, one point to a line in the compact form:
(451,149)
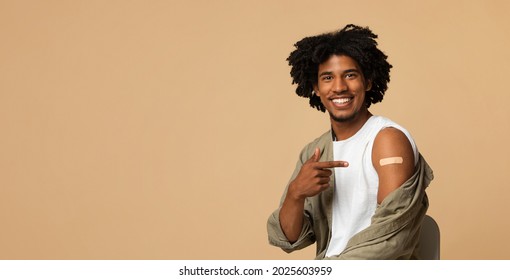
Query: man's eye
(327,78)
(351,75)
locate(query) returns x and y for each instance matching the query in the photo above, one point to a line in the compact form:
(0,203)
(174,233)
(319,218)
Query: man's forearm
(291,217)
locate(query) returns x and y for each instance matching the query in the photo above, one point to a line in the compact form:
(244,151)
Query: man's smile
(342,101)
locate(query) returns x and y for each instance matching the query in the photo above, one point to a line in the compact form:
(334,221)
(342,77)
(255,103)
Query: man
(359,189)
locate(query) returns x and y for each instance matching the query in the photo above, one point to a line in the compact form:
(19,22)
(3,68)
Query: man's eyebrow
(345,71)
(351,70)
(326,73)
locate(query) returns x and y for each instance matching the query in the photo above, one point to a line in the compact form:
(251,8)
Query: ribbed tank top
(355,193)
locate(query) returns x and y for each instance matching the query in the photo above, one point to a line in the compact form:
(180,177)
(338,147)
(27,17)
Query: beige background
(168,129)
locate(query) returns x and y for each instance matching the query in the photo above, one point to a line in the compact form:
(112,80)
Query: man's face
(341,87)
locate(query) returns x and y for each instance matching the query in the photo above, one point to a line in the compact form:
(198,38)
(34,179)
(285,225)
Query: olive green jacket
(395,226)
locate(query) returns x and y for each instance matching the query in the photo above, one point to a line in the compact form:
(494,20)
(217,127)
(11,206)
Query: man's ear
(368,86)
(315,90)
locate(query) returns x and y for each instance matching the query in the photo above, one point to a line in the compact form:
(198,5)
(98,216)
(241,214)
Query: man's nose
(339,85)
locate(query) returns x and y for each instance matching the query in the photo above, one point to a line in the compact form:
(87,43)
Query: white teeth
(341,100)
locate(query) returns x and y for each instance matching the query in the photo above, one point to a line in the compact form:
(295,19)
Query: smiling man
(358,190)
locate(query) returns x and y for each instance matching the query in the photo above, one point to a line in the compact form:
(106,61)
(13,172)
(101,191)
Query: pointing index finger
(331,164)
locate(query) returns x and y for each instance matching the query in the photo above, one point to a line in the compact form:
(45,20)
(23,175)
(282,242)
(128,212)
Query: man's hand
(313,177)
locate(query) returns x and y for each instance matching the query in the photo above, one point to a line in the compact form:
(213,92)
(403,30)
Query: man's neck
(346,129)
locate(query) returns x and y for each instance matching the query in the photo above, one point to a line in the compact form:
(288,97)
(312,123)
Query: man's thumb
(316,155)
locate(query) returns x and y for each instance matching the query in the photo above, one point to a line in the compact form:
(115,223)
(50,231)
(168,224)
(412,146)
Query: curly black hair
(354,41)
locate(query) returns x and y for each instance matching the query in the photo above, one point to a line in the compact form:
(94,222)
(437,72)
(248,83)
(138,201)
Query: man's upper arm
(393,159)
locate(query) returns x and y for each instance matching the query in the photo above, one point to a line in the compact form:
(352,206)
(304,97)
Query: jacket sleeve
(395,227)
(275,233)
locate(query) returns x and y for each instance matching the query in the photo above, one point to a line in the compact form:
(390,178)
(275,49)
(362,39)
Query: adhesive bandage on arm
(391,160)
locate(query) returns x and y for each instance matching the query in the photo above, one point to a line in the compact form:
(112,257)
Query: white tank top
(355,193)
